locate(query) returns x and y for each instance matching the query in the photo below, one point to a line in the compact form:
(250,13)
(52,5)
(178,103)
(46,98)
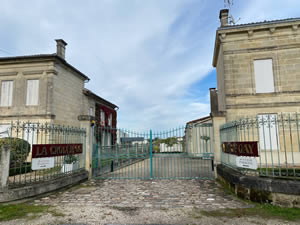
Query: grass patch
(19,211)
(265,211)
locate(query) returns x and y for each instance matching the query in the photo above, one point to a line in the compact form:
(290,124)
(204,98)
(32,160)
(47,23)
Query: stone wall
(283,192)
(60,93)
(239,47)
(41,188)
(67,97)
(19,73)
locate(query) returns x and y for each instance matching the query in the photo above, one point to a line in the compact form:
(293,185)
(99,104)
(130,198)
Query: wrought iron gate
(180,153)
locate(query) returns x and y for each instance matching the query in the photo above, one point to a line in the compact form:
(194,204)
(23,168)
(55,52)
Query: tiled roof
(27,56)
(44,56)
(266,22)
(88,92)
(199,120)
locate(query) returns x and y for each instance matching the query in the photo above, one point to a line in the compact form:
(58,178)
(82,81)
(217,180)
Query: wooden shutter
(32,97)
(6,93)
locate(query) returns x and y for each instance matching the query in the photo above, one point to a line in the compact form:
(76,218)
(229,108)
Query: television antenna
(228,4)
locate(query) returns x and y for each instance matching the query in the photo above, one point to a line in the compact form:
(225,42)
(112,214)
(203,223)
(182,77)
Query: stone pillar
(85,122)
(4,166)
(218,120)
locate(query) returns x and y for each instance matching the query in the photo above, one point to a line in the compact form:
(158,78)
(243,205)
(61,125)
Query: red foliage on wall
(105,127)
(107,111)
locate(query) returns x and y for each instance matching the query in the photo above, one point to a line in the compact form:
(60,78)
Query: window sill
(31,106)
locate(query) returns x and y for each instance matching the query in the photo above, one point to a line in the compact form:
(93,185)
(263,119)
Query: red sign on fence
(52,150)
(246,148)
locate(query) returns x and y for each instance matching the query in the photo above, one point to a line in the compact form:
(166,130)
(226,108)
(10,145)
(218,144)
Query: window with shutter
(6,93)
(32,97)
(264,79)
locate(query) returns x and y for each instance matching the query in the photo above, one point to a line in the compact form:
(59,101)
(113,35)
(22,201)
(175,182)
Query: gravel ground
(106,215)
(141,202)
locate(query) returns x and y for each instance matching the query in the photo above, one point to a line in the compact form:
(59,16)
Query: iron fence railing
(22,136)
(278,140)
(181,153)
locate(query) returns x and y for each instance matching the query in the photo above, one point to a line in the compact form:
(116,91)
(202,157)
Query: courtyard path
(141,202)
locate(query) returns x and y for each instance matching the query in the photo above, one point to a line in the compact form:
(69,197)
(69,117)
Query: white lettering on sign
(42,163)
(246,162)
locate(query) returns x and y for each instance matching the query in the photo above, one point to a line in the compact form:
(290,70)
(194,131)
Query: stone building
(258,73)
(258,67)
(45,88)
(199,136)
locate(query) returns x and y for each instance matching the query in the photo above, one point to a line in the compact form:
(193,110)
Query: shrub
(19,150)
(20,169)
(69,159)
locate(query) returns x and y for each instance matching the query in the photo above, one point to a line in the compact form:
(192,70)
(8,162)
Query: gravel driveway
(141,202)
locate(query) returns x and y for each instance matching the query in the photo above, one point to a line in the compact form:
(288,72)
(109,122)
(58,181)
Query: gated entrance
(180,153)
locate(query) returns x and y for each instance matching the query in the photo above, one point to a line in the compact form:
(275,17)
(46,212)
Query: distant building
(199,136)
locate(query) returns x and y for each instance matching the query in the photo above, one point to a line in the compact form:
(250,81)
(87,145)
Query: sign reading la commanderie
(52,150)
(247,148)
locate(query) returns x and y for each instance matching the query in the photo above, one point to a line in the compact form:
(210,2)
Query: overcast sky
(152,58)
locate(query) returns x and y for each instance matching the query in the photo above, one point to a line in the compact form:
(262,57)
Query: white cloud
(143,56)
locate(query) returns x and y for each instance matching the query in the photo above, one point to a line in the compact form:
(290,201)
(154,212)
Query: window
(108,139)
(268,132)
(264,79)
(91,111)
(102,118)
(6,93)
(110,120)
(32,97)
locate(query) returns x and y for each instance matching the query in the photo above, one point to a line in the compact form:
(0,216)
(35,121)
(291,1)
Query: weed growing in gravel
(265,211)
(19,211)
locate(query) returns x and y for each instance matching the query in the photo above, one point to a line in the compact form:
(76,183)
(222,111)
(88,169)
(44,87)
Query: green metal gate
(180,153)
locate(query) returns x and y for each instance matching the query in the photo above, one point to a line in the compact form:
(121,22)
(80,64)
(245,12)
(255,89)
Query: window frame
(257,75)
(91,111)
(110,120)
(12,93)
(38,92)
(275,66)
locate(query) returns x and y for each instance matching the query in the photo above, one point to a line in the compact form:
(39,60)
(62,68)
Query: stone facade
(61,97)
(236,48)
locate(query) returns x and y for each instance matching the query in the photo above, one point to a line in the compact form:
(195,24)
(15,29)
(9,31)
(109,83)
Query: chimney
(224,17)
(214,107)
(61,47)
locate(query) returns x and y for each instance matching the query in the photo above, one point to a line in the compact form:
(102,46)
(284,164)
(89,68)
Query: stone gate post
(85,122)
(217,120)
(4,166)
